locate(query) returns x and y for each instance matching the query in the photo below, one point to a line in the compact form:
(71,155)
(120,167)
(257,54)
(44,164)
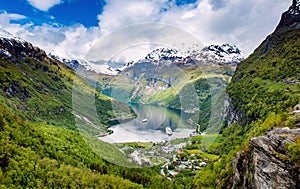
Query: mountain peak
(15,47)
(296,6)
(5,34)
(290,18)
(165,54)
(221,54)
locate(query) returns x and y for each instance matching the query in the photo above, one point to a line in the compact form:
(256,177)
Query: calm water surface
(158,118)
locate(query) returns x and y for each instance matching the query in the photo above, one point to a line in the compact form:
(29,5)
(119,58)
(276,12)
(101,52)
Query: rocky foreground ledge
(266,165)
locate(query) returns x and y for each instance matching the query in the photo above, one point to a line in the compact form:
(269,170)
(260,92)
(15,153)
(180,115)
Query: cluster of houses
(176,166)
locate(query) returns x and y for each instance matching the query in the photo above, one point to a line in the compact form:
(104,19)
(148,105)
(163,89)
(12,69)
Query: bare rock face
(271,169)
(291,18)
(232,114)
(17,48)
(266,164)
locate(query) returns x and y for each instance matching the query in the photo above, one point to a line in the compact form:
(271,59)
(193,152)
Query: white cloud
(8,16)
(77,42)
(5,22)
(69,41)
(44,5)
(243,23)
(118,13)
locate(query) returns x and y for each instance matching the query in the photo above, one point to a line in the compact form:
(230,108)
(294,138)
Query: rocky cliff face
(291,18)
(13,47)
(266,164)
(231,113)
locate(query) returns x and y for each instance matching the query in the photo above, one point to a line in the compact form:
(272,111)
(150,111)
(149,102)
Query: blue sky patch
(67,13)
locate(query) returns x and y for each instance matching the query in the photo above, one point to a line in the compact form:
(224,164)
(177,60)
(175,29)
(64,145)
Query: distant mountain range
(213,54)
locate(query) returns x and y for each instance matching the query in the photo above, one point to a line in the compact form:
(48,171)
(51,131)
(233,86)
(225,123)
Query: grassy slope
(37,155)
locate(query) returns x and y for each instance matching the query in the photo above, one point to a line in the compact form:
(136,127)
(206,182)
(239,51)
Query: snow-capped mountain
(171,54)
(8,36)
(12,46)
(86,65)
(5,34)
(213,54)
(224,54)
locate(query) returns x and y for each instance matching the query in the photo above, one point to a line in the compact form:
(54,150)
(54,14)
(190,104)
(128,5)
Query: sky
(69,28)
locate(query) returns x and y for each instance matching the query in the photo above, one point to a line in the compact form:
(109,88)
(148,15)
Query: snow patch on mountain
(104,69)
(89,66)
(166,54)
(5,53)
(224,54)
(6,35)
(213,54)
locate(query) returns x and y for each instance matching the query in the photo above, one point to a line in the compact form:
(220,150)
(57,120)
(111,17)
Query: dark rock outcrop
(15,89)
(291,18)
(20,49)
(266,164)
(231,112)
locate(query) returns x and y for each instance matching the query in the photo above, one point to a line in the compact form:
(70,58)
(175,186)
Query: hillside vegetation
(264,90)
(40,89)
(268,81)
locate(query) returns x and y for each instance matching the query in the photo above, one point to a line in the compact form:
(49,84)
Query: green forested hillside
(268,81)
(40,89)
(264,89)
(41,147)
(36,155)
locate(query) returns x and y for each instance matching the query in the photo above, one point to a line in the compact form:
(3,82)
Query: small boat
(144,120)
(169,131)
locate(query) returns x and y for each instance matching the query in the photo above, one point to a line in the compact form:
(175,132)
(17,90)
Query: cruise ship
(169,131)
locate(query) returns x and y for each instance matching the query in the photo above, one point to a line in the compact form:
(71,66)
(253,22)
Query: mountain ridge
(213,54)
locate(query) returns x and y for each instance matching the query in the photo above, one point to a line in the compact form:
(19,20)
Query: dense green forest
(37,155)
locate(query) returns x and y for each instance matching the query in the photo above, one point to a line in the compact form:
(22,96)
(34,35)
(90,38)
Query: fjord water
(150,124)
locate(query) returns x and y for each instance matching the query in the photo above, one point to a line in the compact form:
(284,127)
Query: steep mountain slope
(268,81)
(262,98)
(40,87)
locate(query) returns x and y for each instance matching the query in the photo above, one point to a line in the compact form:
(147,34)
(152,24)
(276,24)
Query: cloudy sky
(71,27)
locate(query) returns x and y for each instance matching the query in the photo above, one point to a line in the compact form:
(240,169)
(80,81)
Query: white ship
(169,131)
